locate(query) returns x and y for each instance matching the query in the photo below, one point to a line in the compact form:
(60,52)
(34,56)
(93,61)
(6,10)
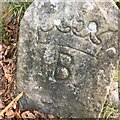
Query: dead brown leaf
(28,114)
(42,115)
(17,114)
(51,116)
(7,50)
(2,92)
(1,104)
(10,114)
(10,105)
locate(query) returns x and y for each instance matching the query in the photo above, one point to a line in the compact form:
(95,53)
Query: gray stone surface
(67,53)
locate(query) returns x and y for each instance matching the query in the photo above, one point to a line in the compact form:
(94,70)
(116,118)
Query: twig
(7,13)
(11,104)
(18,19)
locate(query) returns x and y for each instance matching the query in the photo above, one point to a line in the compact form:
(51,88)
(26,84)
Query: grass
(12,10)
(19,8)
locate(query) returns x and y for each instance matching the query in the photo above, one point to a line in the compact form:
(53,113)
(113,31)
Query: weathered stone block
(67,53)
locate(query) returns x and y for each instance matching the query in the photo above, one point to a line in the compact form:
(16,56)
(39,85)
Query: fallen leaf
(11,104)
(17,115)
(28,114)
(1,104)
(51,116)
(7,50)
(10,113)
(40,115)
(2,91)
(1,117)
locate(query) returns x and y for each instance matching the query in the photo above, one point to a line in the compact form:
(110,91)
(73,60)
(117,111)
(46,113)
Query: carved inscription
(95,39)
(64,27)
(77,28)
(62,71)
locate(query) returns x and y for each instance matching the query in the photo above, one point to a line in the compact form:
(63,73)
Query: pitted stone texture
(67,52)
